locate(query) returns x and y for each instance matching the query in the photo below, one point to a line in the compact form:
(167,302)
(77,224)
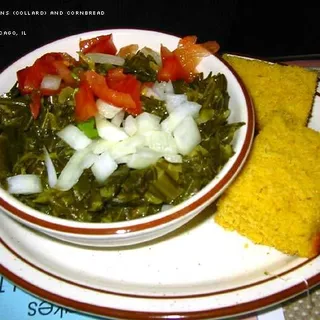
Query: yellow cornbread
(275,200)
(276,88)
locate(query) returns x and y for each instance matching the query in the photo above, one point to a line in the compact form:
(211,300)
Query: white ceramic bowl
(157,225)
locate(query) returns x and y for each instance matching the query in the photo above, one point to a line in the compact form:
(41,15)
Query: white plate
(198,272)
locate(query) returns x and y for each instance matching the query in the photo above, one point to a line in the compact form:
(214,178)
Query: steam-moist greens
(128,193)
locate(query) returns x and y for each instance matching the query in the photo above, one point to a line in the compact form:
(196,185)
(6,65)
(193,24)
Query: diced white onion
(159,88)
(123,159)
(127,146)
(143,158)
(162,142)
(130,125)
(166,207)
(51,171)
(179,113)
(163,88)
(147,122)
(73,170)
(118,118)
(89,160)
(187,135)
(74,137)
(99,146)
(173,158)
(103,167)
(169,88)
(24,184)
(106,109)
(149,92)
(51,82)
(105,58)
(109,131)
(174,100)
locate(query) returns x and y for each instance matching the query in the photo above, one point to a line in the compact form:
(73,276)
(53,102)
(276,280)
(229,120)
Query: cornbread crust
(275,200)
(276,88)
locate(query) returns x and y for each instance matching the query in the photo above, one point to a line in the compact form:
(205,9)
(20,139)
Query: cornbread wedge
(275,200)
(276,88)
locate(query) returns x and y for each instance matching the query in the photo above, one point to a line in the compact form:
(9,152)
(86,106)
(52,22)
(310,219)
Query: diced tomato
(63,71)
(115,75)
(101,44)
(30,78)
(212,46)
(171,68)
(55,63)
(127,51)
(35,104)
(85,104)
(100,88)
(126,83)
(182,62)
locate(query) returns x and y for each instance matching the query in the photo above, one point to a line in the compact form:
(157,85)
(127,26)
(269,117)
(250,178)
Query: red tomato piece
(63,71)
(171,68)
(35,104)
(182,62)
(55,63)
(101,44)
(190,54)
(85,106)
(126,83)
(115,75)
(30,78)
(99,87)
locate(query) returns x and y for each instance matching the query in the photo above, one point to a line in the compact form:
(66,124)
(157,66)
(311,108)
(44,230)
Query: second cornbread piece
(275,200)
(276,88)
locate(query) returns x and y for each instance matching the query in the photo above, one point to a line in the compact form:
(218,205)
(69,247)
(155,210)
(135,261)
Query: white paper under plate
(198,272)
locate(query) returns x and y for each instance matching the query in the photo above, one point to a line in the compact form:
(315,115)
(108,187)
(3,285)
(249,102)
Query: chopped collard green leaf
(144,67)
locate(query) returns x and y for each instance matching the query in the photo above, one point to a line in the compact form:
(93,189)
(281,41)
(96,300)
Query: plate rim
(244,308)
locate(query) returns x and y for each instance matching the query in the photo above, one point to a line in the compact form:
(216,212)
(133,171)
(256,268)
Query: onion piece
(51,171)
(162,142)
(106,109)
(185,109)
(143,158)
(173,158)
(109,131)
(187,135)
(147,122)
(103,167)
(50,82)
(24,184)
(127,146)
(100,145)
(97,57)
(166,207)
(74,137)
(174,100)
(118,118)
(73,170)
(130,125)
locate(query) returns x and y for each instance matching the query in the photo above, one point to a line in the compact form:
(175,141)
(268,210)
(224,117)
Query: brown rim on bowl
(237,165)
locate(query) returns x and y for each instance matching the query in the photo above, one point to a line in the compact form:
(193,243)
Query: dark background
(257,28)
